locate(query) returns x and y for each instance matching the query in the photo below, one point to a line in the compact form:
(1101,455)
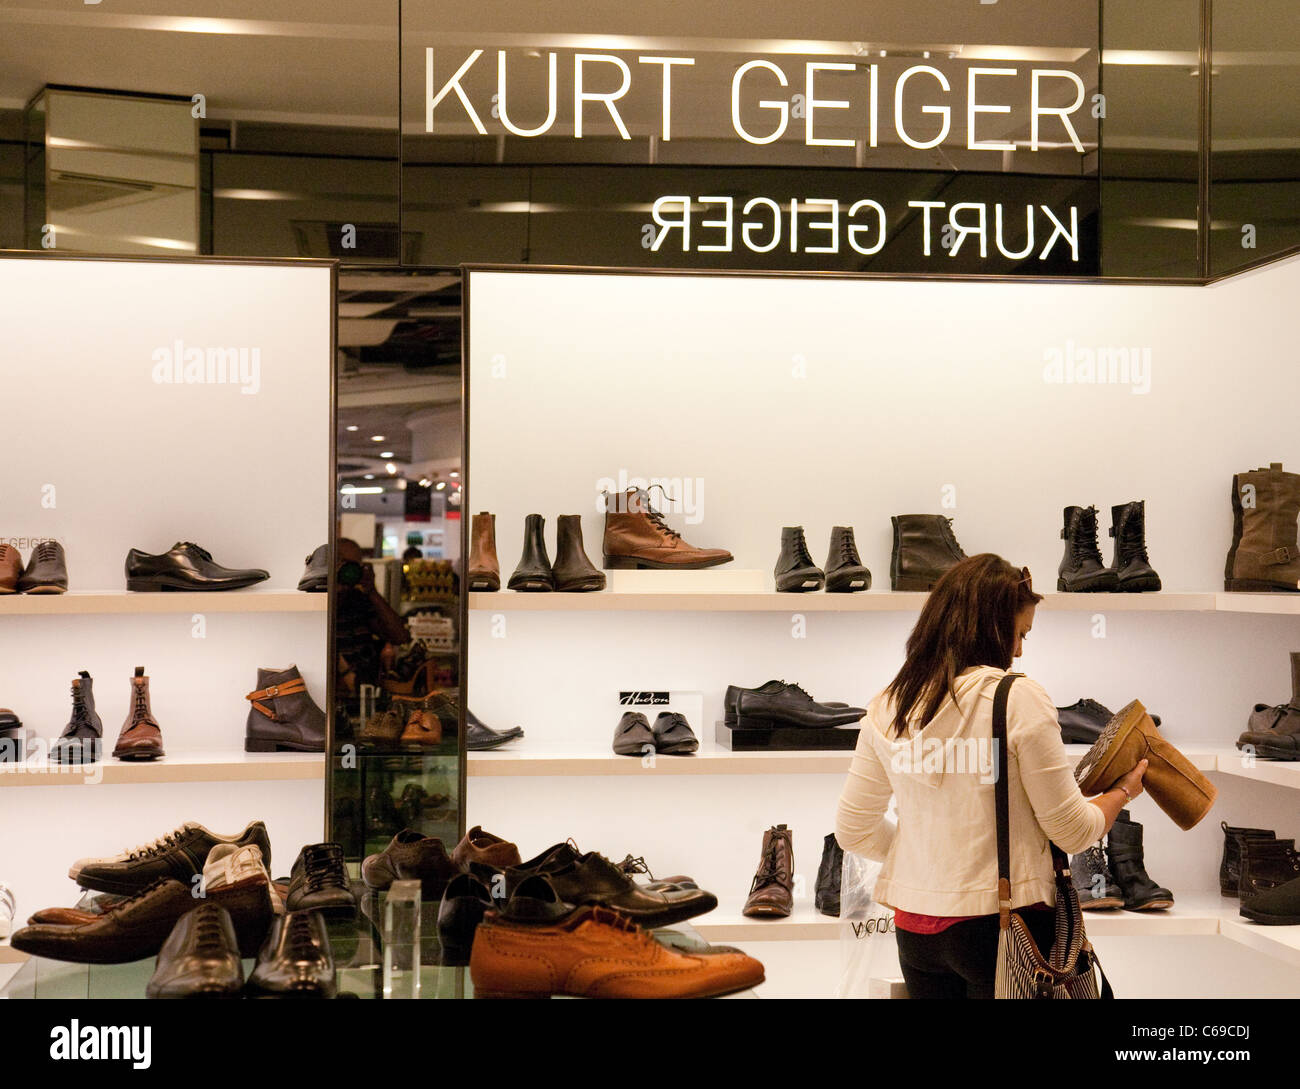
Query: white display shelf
(745,590)
(1279,773)
(1196,913)
(521,762)
(182,767)
(1278,604)
(99,602)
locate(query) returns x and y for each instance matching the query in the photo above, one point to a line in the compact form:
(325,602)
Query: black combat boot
(845,571)
(534,571)
(1270,881)
(1230,865)
(924,549)
(1132,567)
(1124,847)
(1093,880)
(1081,569)
(795,571)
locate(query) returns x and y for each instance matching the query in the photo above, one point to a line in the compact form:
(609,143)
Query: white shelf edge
(501,763)
(1276,772)
(196,767)
(120,602)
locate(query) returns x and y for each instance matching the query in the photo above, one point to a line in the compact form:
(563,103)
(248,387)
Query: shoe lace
(1096,858)
(618,921)
(655,517)
(796,688)
(322,867)
(848,551)
(1083,541)
(300,927)
(199,550)
(769,869)
(45,551)
(209,935)
(1132,536)
(161,845)
(632,866)
(1091,705)
(80,712)
(140,708)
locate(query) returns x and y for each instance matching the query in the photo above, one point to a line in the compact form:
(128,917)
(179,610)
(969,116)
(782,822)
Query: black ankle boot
(1230,865)
(925,547)
(845,571)
(1081,569)
(82,739)
(574,572)
(1124,849)
(829,876)
(795,571)
(534,571)
(1093,880)
(1132,568)
(283,716)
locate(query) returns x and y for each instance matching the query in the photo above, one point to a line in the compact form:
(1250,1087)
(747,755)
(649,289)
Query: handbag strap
(1001,803)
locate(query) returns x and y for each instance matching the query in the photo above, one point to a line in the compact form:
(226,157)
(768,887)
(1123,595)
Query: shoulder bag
(1072,968)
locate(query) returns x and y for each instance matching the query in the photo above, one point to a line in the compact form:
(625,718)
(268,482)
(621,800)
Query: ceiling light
(349,489)
(353,427)
(425,482)
(392,469)
(454,475)
(370,476)
(378,438)
(386,454)
(441,484)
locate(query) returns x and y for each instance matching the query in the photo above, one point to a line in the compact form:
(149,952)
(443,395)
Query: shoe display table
(358,954)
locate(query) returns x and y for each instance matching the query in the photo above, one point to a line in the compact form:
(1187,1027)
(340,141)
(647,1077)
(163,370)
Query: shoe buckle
(1279,555)
(273,691)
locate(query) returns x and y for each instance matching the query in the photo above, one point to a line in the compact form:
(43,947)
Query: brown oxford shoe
(11,569)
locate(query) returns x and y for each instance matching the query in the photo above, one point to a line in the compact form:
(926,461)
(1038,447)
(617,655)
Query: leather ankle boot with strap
(1124,850)
(283,716)
(1264,554)
(1230,864)
(141,736)
(484,567)
(1081,569)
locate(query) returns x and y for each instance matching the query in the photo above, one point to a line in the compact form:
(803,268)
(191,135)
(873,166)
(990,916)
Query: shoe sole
(1105,586)
(1146,585)
(631,563)
(849,586)
(1268,752)
(165,585)
(142,757)
(1259,586)
(804,581)
(1269,920)
(117,888)
(906,583)
(682,748)
(1151,905)
(494,743)
(531,586)
(743,723)
(716,992)
(582,586)
(44,589)
(1103,904)
(257,745)
(484,586)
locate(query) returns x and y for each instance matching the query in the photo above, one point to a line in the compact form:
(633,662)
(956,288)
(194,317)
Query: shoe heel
(905,582)
(258,744)
(142,586)
(619,563)
(1256,586)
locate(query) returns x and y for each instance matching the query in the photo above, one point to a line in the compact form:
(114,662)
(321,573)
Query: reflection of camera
(350,573)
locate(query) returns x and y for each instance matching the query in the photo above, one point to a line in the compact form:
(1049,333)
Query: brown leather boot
(484,568)
(772,893)
(11,569)
(429,720)
(141,736)
(1264,554)
(1175,785)
(283,716)
(636,535)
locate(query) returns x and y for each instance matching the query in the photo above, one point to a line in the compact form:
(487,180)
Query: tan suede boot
(1264,554)
(484,569)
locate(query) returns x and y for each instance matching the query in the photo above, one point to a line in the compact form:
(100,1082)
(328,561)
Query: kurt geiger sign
(913,113)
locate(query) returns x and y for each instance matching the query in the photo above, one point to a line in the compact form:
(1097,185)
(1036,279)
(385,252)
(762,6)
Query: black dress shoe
(1083,721)
(535,900)
(316,579)
(479,737)
(673,735)
(179,854)
(411,856)
(790,706)
(295,960)
(732,696)
(633,736)
(593,879)
(200,958)
(47,570)
(185,567)
(319,882)
(464,903)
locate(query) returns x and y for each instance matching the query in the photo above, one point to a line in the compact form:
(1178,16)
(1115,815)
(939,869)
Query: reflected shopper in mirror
(365,625)
(927,742)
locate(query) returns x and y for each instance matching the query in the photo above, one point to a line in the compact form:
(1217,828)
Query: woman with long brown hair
(927,741)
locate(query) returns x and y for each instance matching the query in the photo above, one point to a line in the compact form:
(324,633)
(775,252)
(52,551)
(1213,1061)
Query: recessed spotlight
(425,482)
(392,469)
(353,427)
(441,485)
(454,475)
(386,454)
(370,476)
(378,438)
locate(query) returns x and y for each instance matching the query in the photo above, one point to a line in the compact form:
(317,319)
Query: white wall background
(139,464)
(799,401)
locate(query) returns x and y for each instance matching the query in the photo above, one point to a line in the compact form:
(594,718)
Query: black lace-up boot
(795,571)
(925,547)
(82,739)
(1268,867)
(1093,880)
(1132,567)
(1081,570)
(845,571)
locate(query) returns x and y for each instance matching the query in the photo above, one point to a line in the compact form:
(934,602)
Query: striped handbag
(1072,969)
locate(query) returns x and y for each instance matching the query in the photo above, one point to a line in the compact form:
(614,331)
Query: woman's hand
(1131,784)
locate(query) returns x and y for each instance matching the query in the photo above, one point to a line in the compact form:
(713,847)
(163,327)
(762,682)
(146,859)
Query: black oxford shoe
(185,567)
